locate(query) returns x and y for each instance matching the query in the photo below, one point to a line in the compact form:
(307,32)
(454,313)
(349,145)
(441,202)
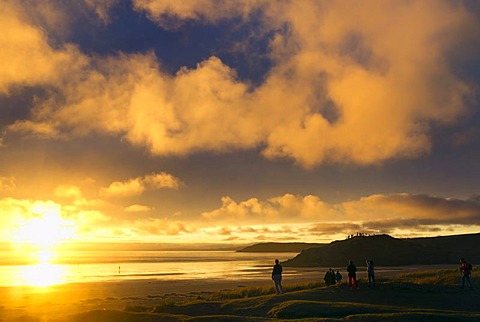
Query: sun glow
(37,241)
(45,229)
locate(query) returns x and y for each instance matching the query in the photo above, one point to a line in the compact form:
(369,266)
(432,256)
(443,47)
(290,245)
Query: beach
(57,301)
(52,303)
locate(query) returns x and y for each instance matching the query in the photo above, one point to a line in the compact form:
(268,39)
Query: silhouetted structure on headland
(360,234)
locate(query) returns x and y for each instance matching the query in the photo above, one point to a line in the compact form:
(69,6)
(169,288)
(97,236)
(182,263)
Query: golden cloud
(136,186)
(26,59)
(132,187)
(137,208)
(286,208)
(374,214)
(161,180)
(351,82)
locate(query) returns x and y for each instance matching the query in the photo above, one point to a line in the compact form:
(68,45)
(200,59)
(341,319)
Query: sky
(237,122)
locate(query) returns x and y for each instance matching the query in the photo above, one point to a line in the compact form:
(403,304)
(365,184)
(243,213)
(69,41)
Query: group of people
(352,274)
(332,277)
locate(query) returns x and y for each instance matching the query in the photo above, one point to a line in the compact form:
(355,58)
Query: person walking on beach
(277,277)
(352,275)
(466,270)
(371,273)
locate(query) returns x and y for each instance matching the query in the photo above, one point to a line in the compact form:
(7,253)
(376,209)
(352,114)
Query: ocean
(99,266)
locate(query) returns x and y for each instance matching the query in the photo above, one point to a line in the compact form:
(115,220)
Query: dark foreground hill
(388,251)
(278,247)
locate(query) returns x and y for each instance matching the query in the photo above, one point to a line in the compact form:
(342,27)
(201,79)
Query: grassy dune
(421,296)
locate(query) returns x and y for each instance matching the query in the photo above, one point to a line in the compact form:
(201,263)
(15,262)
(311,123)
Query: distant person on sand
(466,270)
(352,274)
(371,273)
(329,277)
(277,277)
(338,277)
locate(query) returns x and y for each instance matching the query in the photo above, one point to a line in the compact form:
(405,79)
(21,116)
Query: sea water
(98,266)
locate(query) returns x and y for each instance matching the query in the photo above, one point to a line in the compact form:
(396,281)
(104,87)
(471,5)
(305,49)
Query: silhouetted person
(277,277)
(329,277)
(352,274)
(466,270)
(371,273)
(338,277)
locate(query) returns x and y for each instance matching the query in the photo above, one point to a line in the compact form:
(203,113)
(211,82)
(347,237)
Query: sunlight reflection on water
(42,275)
(127,265)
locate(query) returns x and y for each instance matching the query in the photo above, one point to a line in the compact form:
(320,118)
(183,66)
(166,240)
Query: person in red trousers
(352,275)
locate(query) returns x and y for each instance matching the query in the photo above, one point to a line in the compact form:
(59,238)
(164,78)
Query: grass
(247,292)
(432,295)
(436,277)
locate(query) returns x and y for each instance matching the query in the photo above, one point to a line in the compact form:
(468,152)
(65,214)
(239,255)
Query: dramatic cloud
(26,58)
(350,83)
(338,82)
(343,67)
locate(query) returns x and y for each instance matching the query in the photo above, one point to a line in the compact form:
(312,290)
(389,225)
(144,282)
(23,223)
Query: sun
(45,229)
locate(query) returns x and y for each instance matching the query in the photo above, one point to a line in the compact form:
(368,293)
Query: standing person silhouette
(371,273)
(277,277)
(352,274)
(466,270)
